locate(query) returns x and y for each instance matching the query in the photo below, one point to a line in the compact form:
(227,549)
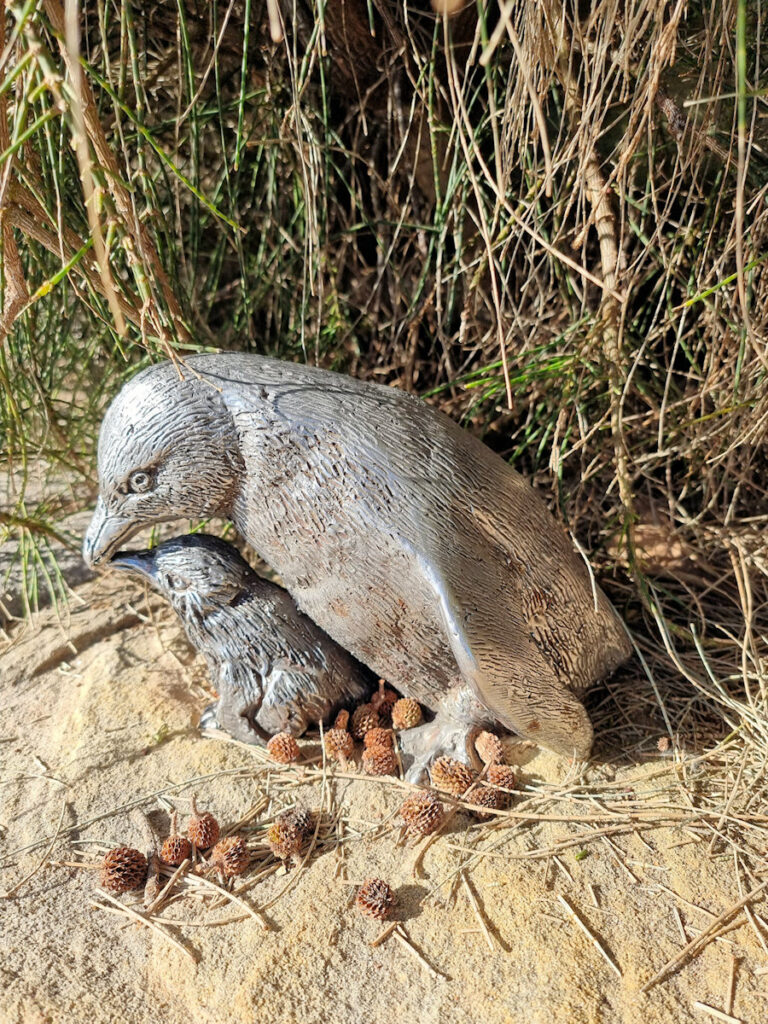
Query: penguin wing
(500,659)
(525,624)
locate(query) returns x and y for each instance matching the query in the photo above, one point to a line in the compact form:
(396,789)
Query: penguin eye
(139,482)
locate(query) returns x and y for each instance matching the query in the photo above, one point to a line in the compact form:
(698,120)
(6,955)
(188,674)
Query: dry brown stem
(610,313)
(696,945)
(16,292)
(146,253)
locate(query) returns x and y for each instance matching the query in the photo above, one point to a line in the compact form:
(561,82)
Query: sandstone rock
(100,709)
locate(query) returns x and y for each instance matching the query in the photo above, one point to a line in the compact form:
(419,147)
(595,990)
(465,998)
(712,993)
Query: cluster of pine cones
(422,812)
(374,723)
(493,792)
(125,868)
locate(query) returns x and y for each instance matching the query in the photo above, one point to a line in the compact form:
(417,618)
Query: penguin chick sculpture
(401,535)
(274,669)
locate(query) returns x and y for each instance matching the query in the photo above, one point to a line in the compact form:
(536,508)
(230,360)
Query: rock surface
(100,710)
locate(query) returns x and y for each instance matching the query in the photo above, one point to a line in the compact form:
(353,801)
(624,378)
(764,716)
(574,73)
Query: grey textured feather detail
(274,669)
(396,531)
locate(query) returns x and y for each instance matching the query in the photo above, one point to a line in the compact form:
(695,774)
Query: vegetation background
(548,218)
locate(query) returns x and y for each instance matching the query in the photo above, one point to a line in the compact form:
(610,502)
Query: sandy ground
(100,711)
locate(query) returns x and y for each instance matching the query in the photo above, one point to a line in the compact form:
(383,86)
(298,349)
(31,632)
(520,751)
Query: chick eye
(139,482)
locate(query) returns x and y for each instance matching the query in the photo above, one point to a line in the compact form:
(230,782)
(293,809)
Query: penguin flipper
(499,658)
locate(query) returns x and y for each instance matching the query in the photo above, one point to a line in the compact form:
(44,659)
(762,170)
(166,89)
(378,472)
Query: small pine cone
(284,748)
(502,775)
(375,898)
(485,797)
(301,819)
(123,869)
(231,855)
(203,830)
(422,813)
(174,850)
(282,841)
(364,719)
(339,744)
(289,831)
(406,713)
(383,701)
(489,748)
(379,738)
(451,776)
(342,720)
(380,761)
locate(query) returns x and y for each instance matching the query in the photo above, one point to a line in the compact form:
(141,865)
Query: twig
(751,917)
(218,923)
(142,919)
(148,837)
(180,870)
(608,236)
(615,853)
(16,291)
(696,945)
(403,939)
(9,893)
(693,906)
(385,934)
(678,123)
(717,1014)
(680,925)
(562,868)
(592,938)
(73,864)
(731,984)
(476,907)
(232,898)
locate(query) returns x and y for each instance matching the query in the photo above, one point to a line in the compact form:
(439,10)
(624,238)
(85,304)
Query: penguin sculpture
(274,669)
(405,538)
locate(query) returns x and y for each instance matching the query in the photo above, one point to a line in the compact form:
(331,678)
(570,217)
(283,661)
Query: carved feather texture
(274,669)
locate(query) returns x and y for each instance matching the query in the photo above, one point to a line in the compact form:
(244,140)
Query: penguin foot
(235,721)
(440,738)
(209,719)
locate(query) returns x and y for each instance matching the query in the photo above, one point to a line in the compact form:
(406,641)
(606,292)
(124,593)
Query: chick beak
(140,562)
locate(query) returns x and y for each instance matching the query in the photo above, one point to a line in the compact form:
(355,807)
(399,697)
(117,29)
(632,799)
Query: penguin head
(167,450)
(197,573)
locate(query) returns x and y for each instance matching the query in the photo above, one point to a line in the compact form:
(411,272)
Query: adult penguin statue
(274,669)
(406,539)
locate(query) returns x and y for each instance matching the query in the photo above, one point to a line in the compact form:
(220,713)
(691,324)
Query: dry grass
(547,218)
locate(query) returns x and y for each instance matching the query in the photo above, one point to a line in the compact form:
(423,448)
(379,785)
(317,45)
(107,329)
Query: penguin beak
(140,562)
(105,534)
